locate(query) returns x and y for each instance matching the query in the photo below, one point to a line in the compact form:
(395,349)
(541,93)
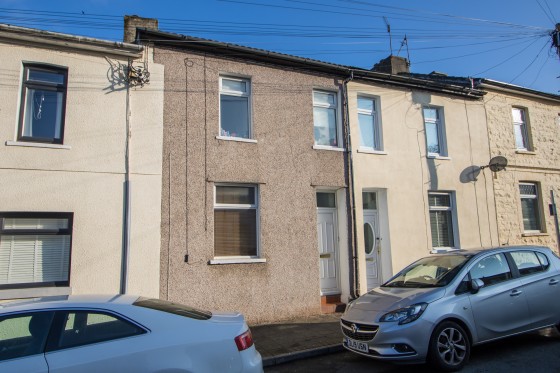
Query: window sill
(34,292)
(325,147)
(526,152)
(236,261)
(238,139)
(371,151)
(37,145)
(534,234)
(440,157)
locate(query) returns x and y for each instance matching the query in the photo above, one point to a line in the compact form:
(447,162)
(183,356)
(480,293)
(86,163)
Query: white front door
(372,244)
(328,258)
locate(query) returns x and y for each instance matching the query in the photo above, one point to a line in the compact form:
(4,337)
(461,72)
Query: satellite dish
(497,163)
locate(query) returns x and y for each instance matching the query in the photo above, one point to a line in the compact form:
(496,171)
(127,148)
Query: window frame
(452,209)
(336,106)
(27,84)
(16,232)
(441,135)
(247,95)
(377,126)
(524,129)
(231,206)
(538,210)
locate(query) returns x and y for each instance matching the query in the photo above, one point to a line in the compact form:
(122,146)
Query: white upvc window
(435,132)
(530,207)
(235,107)
(326,119)
(520,129)
(35,249)
(442,212)
(369,125)
(236,221)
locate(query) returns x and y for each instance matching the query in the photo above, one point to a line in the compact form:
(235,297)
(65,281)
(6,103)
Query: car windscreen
(433,271)
(174,308)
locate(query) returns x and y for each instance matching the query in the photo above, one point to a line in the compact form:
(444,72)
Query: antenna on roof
(389,31)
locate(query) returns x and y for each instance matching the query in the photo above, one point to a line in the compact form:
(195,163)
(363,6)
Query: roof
(42,38)
(484,84)
(234,51)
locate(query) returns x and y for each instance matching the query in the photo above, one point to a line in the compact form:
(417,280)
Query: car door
(91,341)
(540,284)
(499,307)
(22,341)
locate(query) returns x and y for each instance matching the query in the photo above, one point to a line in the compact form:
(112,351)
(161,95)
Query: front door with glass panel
(372,246)
(327,236)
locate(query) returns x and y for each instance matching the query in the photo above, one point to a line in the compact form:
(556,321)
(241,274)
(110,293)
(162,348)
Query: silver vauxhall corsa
(438,307)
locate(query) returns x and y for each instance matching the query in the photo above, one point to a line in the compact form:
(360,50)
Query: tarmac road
(537,352)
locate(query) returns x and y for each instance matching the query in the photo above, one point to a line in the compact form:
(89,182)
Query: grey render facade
(276,163)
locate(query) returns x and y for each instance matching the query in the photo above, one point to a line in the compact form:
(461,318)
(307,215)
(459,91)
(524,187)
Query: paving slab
(299,338)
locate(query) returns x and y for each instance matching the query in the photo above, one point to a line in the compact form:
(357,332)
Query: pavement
(300,338)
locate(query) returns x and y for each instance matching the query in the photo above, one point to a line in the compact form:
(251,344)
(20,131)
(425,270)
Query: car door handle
(515,293)
(553,282)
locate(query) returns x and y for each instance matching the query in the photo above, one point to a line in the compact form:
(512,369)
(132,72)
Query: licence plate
(357,345)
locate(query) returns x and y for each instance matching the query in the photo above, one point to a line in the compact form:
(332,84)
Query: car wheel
(449,348)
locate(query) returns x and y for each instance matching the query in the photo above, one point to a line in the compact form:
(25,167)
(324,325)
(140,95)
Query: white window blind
(34,251)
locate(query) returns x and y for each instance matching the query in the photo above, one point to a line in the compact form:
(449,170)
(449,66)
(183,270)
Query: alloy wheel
(452,346)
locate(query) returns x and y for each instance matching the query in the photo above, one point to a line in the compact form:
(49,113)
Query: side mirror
(476,285)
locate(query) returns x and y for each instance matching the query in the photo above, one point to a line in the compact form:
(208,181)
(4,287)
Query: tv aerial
(496,164)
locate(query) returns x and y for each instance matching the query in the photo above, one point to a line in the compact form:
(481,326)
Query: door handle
(324,256)
(553,282)
(515,293)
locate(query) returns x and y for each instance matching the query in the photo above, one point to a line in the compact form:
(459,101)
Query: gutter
(11,33)
(518,90)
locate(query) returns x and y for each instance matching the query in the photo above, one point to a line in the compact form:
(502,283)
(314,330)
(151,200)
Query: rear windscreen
(174,308)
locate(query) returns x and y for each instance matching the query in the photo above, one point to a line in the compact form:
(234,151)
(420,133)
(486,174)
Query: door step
(332,304)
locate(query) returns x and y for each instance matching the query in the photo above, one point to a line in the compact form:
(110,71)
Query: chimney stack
(132,22)
(392,65)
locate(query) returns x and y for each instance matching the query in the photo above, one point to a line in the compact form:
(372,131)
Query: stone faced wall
(540,165)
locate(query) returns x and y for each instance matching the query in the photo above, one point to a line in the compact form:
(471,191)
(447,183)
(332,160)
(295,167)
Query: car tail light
(244,341)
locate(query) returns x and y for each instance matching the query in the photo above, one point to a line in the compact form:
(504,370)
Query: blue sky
(502,40)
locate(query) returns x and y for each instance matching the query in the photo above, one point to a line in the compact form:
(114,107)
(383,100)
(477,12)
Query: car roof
(91,300)
(472,252)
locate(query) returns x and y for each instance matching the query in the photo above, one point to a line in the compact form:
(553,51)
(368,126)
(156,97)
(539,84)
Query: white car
(121,333)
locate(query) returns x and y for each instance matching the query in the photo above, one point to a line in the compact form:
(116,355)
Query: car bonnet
(385,299)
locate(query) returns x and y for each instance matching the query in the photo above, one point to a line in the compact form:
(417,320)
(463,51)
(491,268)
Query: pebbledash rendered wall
(282,162)
(540,165)
(86,177)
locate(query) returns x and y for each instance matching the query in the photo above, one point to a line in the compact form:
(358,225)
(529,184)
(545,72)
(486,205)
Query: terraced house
(292,185)
(233,178)
(80,167)
(524,127)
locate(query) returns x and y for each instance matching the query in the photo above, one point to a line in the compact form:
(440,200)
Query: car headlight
(405,315)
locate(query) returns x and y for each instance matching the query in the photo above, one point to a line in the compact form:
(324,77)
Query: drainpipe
(126,197)
(354,276)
